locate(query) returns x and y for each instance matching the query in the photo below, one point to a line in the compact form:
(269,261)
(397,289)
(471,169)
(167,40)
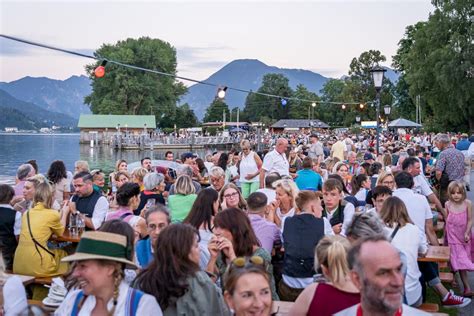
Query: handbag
(35,242)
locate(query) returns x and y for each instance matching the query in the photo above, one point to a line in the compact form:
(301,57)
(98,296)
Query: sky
(321,36)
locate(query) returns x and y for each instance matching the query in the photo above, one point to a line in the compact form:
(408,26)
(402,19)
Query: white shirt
(100,211)
(276,162)
(421,185)
(17,225)
(14,296)
(270,193)
(409,241)
(248,165)
(146,306)
(418,208)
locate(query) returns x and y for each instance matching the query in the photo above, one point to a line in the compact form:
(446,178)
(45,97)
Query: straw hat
(102,245)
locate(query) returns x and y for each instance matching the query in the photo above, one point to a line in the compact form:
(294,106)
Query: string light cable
(104,60)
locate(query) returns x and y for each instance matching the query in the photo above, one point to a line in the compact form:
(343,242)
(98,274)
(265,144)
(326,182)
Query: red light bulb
(99,71)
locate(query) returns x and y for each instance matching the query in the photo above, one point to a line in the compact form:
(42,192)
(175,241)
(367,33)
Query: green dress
(180,206)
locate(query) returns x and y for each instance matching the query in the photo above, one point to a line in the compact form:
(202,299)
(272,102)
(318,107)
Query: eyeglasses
(228,196)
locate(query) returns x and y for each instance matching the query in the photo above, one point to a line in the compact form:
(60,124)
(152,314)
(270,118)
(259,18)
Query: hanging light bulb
(361,106)
(99,72)
(313,104)
(343,106)
(221,92)
(283,102)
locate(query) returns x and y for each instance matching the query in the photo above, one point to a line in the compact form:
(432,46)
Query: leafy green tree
(215,111)
(128,91)
(257,106)
(356,88)
(304,109)
(185,117)
(436,58)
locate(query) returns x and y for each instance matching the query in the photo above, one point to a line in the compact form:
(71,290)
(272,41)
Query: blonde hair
(331,252)
(139,173)
(288,186)
(37,179)
(242,202)
(456,185)
(383,175)
(81,165)
(245,144)
(305,196)
(118,163)
(44,194)
(184,185)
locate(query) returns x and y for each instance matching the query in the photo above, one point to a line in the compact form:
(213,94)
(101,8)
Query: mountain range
(29,116)
(245,74)
(67,96)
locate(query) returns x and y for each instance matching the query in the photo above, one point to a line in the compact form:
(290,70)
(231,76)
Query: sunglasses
(241,262)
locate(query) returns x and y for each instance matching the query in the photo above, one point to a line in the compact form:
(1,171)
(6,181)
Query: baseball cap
(187,156)
(368,156)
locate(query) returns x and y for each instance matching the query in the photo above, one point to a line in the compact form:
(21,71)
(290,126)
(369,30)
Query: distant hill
(25,115)
(62,96)
(67,96)
(246,74)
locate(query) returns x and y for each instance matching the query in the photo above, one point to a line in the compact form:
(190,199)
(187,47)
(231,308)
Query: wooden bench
(43,281)
(429,307)
(446,277)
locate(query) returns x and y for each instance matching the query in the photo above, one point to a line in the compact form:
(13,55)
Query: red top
(328,300)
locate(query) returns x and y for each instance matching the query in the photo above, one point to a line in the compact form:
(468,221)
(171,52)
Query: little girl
(458,232)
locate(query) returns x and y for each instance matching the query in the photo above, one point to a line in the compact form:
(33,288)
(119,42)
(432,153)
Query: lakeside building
(102,128)
(297,125)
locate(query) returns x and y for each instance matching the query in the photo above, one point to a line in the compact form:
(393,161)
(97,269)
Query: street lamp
(313,105)
(377,76)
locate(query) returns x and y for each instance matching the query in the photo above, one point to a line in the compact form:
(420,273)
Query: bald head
(377,273)
(281,145)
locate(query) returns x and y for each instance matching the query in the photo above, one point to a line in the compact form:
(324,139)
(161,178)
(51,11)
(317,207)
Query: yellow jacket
(35,261)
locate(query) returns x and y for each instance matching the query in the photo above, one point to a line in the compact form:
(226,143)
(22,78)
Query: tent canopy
(401,122)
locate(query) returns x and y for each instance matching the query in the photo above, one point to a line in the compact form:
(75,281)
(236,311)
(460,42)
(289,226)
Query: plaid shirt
(451,161)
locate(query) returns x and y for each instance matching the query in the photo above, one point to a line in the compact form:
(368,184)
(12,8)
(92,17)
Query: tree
(436,59)
(128,91)
(258,106)
(356,88)
(185,117)
(304,109)
(215,111)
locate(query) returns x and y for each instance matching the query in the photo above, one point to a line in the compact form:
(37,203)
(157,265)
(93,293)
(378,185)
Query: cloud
(193,52)
(12,48)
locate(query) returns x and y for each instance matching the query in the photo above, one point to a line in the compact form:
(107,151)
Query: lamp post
(377,76)
(312,113)
(387,109)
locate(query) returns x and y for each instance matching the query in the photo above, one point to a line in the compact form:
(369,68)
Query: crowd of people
(323,220)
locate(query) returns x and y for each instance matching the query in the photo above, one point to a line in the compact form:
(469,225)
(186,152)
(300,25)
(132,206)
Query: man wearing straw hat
(100,259)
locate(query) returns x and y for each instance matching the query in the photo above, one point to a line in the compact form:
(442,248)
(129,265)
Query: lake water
(19,148)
